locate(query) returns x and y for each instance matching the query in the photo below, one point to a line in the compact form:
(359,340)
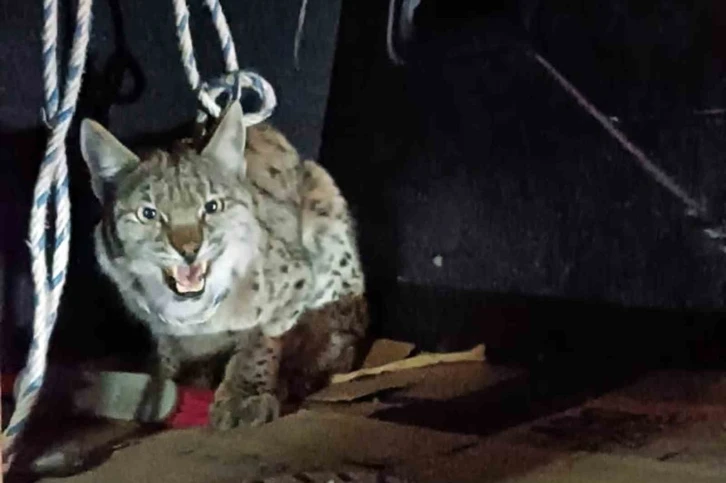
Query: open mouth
(187,280)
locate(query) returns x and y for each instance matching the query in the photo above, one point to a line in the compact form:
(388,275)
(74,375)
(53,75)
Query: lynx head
(177,225)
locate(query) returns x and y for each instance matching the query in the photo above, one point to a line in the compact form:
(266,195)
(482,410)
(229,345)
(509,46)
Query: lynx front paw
(251,411)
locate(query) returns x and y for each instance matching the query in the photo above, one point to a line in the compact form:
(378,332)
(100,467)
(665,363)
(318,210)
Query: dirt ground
(454,422)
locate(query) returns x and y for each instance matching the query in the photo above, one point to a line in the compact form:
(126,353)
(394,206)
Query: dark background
(556,249)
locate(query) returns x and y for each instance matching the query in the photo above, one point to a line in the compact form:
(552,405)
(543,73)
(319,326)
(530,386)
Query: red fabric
(192,408)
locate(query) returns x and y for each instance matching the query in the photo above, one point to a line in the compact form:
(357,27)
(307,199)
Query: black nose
(186,240)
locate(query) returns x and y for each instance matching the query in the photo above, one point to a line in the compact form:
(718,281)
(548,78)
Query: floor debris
(665,427)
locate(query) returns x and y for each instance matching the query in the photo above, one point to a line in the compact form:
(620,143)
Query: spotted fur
(280,247)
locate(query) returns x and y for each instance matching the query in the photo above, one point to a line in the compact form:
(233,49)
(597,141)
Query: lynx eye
(147,213)
(213,206)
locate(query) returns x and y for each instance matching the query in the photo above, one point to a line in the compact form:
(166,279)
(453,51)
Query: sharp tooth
(198,286)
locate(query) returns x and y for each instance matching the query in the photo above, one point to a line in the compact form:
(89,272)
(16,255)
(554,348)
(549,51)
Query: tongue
(189,275)
(189,279)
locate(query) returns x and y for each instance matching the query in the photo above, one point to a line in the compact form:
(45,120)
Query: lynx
(236,251)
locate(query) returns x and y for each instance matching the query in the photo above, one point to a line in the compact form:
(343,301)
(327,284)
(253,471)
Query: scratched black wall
(552,241)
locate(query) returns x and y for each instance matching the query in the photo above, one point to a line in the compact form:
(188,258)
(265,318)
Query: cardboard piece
(384,351)
(422,360)
(366,387)
(441,382)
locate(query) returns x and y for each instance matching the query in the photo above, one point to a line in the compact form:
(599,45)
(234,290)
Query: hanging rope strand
(50,58)
(299,33)
(52,183)
(57,144)
(189,62)
(225,35)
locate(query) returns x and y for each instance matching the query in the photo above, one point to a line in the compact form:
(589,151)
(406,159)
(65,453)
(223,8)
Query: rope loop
(233,85)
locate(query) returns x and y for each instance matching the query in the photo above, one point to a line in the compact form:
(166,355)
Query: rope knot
(229,88)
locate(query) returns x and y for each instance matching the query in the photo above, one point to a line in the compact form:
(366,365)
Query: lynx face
(178,226)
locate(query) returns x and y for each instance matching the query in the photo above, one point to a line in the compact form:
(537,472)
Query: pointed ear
(226,147)
(105,156)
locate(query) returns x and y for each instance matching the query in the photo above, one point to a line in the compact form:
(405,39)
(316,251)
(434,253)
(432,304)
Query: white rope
(225,36)
(51,186)
(299,33)
(233,81)
(189,62)
(390,47)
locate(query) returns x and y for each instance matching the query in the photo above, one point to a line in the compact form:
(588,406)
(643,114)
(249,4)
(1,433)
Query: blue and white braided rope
(225,36)
(232,84)
(233,81)
(52,185)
